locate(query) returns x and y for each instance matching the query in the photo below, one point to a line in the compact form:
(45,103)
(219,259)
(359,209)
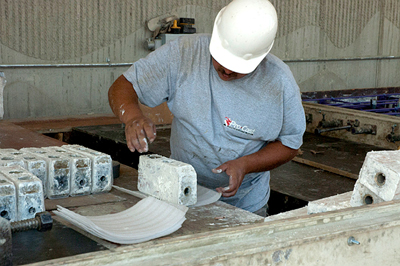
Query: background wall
(329,45)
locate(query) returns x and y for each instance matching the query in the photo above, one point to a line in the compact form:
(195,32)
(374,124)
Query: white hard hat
(243,34)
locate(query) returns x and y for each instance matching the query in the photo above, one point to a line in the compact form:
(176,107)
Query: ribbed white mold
(150,218)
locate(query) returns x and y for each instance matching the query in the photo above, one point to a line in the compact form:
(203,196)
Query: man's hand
(124,102)
(235,170)
(271,156)
(139,132)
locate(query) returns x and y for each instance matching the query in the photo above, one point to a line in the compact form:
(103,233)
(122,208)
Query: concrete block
(333,203)
(7,159)
(380,173)
(167,179)
(29,191)
(32,163)
(8,199)
(58,172)
(363,196)
(102,170)
(80,169)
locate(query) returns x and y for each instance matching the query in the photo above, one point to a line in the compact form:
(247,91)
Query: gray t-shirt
(216,121)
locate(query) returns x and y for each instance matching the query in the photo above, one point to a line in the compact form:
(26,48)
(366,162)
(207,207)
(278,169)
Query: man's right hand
(139,133)
(124,102)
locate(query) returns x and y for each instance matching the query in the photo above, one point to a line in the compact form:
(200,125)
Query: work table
(32,246)
(219,233)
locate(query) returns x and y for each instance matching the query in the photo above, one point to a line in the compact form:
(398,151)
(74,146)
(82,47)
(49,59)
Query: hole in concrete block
(380,179)
(16,153)
(368,199)
(32,210)
(103,178)
(40,152)
(7,158)
(3,181)
(54,157)
(29,158)
(4,214)
(82,183)
(23,177)
(186,191)
(154,156)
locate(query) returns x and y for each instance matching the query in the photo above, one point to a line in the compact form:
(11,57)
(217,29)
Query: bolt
(42,222)
(352,241)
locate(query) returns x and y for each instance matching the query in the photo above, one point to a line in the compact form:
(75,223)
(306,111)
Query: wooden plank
(160,115)
(17,137)
(64,124)
(89,200)
(325,167)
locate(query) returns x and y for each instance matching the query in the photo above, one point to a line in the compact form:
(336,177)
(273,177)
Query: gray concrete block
(58,172)
(32,163)
(380,173)
(29,191)
(363,196)
(167,179)
(8,199)
(80,169)
(102,170)
(8,159)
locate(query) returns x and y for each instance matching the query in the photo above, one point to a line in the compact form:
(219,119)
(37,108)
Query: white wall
(93,31)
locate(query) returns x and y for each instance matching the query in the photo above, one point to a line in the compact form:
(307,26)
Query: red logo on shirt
(233,125)
(228,121)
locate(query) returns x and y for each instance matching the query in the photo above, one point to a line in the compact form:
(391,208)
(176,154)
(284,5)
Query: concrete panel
(57,92)
(388,73)
(320,35)
(334,75)
(97,31)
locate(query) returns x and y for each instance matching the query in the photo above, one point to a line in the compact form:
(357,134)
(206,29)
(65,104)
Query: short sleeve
(154,76)
(294,124)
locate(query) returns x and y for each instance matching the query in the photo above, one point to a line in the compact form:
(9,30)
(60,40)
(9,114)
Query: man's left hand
(235,170)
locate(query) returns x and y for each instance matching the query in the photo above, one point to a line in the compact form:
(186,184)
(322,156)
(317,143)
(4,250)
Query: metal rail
(123,64)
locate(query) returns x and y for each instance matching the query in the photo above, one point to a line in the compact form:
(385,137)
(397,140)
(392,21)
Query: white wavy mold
(150,218)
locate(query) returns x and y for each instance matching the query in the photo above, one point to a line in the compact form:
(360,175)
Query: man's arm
(268,158)
(124,103)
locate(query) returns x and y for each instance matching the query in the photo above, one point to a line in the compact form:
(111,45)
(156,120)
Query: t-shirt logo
(228,121)
(233,125)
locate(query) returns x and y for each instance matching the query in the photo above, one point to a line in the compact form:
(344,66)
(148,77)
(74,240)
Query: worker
(236,108)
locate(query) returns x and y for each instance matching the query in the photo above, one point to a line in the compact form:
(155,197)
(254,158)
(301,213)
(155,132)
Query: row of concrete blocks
(70,170)
(379,179)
